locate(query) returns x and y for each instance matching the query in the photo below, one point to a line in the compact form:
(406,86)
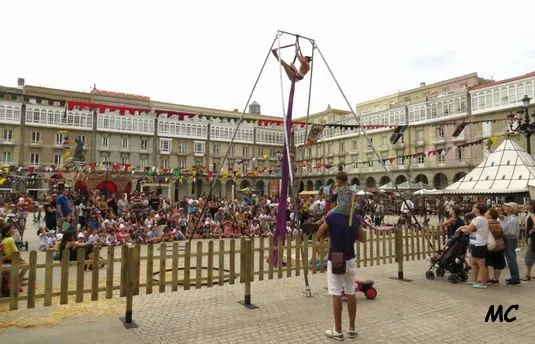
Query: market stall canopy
(364,193)
(425,192)
(308,193)
(509,169)
(248,190)
(355,188)
(405,186)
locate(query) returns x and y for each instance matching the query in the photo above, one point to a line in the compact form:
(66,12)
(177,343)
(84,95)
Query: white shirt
(407,206)
(480,236)
(93,238)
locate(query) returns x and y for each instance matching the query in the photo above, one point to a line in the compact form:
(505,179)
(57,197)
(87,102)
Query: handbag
(500,245)
(491,242)
(361,235)
(338,263)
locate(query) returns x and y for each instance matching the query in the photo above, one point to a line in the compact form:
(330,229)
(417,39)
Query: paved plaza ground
(420,311)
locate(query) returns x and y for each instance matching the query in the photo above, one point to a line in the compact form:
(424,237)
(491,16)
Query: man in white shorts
(343,239)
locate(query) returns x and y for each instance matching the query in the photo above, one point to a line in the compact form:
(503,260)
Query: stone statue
(79,150)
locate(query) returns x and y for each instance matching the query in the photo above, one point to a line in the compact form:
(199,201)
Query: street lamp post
(524,125)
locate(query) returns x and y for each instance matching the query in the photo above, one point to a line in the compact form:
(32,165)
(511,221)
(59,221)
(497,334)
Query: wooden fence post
(14,283)
(130,273)
(247,255)
(32,279)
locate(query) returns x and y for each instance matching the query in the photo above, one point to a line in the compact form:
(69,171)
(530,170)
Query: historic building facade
(119,128)
(431,114)
(141,132)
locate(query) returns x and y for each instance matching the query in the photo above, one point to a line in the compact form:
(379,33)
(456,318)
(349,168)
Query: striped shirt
(496,229)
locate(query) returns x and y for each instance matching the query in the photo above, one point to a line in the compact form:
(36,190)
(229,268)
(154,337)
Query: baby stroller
(451,260)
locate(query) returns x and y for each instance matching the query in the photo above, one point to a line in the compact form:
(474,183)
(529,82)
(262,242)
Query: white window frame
(125,142)
(6,156)
(144,161)
(182,164)
(35,159)
(144,144)
(57,159)
(441,158)
(165,163)
(57,117)
(486,129)
(182,148)
(8,135)
(199,147)
(135,124)
(421,158)
(36,137)
(400,159)
(125,157)
(10,113)
(105,156)
(58,139)
(166,145)
(420,135)
(105,141)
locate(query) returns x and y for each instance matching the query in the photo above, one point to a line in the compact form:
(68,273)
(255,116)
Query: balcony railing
(7,141)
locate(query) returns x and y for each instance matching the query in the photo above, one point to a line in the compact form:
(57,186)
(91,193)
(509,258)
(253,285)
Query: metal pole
(240,120)
(296,35)
(399,251)
(528,133)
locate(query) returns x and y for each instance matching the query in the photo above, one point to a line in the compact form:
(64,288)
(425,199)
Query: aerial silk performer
(294,75)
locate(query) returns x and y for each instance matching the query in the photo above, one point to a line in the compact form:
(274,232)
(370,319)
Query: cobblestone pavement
(420,311)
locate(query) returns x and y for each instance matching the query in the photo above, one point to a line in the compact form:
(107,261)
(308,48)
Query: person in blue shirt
(63,207)
(343,237)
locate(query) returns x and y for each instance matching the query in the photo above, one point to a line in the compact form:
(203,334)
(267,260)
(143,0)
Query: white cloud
(208,53)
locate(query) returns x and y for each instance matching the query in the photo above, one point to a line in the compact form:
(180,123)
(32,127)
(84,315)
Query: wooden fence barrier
(212,262)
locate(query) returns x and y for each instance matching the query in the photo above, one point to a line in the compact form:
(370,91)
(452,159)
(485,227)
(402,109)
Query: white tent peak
(509,169)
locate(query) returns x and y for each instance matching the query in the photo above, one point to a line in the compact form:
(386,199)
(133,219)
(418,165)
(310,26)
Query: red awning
(107,186)
(180,114)
(81,187)
(102,107)
(123,109)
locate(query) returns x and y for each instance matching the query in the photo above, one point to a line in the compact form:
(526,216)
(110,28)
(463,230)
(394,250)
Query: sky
(209,53)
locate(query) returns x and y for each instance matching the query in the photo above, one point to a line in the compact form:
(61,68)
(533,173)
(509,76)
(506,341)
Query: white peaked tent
(509,169)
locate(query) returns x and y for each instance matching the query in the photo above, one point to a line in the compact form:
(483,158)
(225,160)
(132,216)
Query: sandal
(527,278)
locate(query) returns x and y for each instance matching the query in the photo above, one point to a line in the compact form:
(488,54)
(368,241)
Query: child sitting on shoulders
(344,196)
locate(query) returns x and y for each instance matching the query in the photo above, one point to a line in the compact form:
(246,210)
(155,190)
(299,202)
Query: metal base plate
(129,325)
(248,306)
(403,280)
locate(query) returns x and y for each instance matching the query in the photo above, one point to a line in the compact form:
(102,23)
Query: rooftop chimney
(422,84)
(20,83)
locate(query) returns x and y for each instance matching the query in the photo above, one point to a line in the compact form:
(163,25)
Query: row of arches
(439,181)
(228,189)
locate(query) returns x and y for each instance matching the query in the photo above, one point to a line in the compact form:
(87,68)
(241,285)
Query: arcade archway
(401,179)
(440,181)
(421,178)
(458,176)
